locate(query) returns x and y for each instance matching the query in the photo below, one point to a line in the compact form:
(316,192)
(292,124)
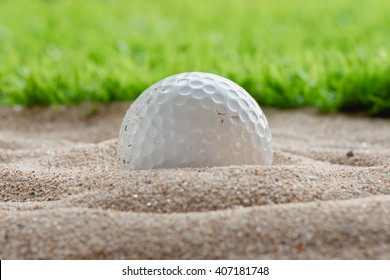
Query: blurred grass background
(332,55)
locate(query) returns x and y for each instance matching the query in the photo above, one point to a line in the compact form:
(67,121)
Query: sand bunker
(63,195)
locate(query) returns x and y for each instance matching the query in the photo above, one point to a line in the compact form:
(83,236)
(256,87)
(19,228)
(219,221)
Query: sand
(63,194)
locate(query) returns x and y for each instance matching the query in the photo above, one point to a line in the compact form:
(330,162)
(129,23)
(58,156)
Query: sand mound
(63,194)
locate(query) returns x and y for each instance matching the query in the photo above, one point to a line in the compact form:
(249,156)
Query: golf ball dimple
(194,120)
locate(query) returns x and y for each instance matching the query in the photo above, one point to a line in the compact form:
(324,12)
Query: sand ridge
(63,194)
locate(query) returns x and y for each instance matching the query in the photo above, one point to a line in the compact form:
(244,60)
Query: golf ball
(194,120)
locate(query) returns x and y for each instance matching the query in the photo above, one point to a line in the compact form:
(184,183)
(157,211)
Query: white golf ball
(194,120)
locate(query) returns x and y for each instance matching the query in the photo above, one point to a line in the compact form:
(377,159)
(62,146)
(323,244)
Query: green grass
(333,55)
